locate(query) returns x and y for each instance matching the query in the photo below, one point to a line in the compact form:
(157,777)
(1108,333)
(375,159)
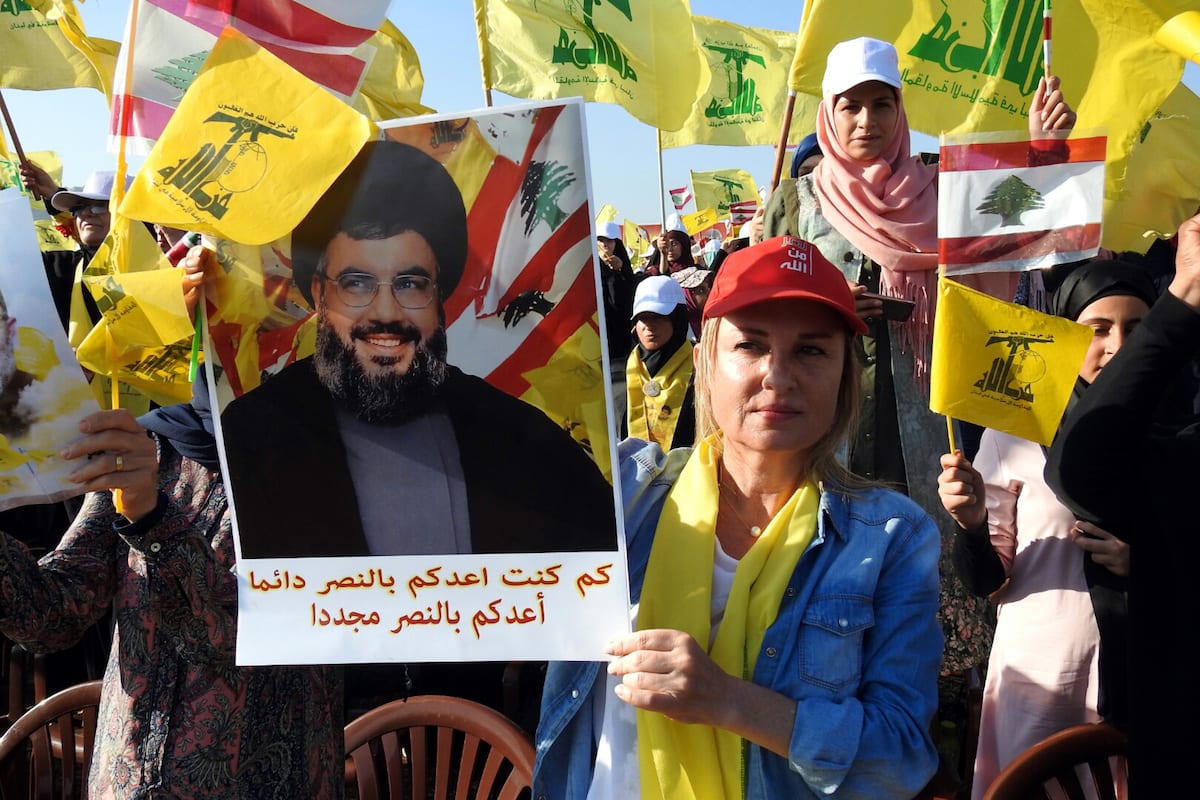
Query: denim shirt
(856,644)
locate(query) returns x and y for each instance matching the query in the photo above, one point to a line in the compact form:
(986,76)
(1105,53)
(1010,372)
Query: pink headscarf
(886,207)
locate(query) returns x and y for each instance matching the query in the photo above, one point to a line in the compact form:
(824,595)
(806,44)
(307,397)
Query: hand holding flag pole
(12,134)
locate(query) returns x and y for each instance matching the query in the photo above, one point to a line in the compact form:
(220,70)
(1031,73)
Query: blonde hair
(822,456)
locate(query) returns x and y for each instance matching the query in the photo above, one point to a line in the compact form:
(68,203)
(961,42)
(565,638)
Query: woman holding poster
(153,541)
(787,642)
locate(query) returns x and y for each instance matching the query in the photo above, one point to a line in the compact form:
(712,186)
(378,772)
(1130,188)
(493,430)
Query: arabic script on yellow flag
(971,66)
(37,54)
(1002,365)
(250,148)
(642,56)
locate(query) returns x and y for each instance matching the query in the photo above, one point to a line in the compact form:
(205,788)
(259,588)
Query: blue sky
(623,153)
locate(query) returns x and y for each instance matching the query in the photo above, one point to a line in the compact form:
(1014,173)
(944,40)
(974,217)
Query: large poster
(413,409)
(43,392)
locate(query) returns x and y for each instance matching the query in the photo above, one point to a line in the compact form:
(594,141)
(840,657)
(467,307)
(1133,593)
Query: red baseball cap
(783,267)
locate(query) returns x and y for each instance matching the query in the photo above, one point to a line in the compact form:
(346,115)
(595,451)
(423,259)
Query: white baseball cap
(674,223)
(658,294)
(858,61)
(608,230)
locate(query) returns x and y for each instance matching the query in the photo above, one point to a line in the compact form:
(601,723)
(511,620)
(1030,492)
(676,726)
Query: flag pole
(949,419)
(12,134)
(784,129)
(1046,39)
(662,186)
(485,53)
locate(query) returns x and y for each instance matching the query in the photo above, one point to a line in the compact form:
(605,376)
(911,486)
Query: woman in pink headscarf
(871,208)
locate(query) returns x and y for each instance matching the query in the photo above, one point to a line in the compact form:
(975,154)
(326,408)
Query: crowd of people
(812,575)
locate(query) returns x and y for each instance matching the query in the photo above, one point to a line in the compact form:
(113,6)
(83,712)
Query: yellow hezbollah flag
(694,223)
(747,94)
(642,56)
(1162,185)
(250,148)
(636,240)
(393,82)
(1002,365)
(10,177)
(719,188)
(1181,35)
(37,54)
(973,66)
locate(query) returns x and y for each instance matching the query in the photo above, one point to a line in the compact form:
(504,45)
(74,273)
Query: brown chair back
(437,746)
(47,752)
(1053,767)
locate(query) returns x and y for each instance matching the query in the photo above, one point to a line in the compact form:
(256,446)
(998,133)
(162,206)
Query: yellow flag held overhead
(719,188)
(747,94)
(642,56)
(38,55)
(250,148)
(1162,186)
(705,218)
(1002,365)
(973,66)
(393,83)
(607,213)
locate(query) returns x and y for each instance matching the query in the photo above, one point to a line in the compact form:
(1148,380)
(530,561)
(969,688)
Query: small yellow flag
(700,220)
(250,149)
(636,240)
(719,188)
(1002,365)
(607,213)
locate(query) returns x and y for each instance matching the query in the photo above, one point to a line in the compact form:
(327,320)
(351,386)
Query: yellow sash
(653,417)
(696,762)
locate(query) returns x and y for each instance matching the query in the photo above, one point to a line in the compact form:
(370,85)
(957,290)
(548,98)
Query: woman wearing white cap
(871,208)
(787,642)
(658,374)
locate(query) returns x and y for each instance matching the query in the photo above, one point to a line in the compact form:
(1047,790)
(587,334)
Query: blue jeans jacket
(856,643)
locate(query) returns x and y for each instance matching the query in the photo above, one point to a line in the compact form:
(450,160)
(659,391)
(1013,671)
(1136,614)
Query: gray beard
(387,398)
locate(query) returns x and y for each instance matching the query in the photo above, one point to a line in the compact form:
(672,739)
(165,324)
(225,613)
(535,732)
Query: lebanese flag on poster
(322,40)
(529,283)
(1003,208)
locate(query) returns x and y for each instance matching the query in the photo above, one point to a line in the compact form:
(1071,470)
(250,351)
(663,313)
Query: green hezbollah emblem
(742,95)
(14,7)
(604,50)
(1009,45)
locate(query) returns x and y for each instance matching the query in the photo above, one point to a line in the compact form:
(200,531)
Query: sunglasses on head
(95,210)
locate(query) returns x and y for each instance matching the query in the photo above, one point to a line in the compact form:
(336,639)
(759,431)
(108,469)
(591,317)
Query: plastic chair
(33,759)
(437,746)
(1052,767)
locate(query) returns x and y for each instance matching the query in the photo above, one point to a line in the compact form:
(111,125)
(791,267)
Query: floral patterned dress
(177,718)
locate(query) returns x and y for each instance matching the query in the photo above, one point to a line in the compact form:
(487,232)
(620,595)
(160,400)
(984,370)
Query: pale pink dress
(1043,671)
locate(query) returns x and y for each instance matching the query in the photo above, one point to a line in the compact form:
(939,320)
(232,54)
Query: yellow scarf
(696,762)
(652,417)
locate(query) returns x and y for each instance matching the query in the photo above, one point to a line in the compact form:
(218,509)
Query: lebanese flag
(319,39)
(529,236)
(742,211)
(680,197)
(1003,208)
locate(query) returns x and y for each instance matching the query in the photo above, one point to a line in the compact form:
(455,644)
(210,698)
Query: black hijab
(188,426)
(656,359)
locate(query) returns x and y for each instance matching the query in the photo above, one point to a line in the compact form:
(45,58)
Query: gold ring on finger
(120,462)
